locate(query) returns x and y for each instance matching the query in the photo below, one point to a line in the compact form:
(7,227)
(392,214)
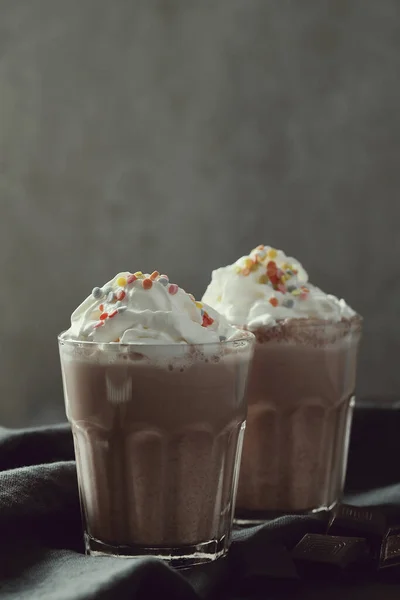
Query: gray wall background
(179,134)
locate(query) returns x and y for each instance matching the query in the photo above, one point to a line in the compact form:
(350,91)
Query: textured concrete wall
(178,134)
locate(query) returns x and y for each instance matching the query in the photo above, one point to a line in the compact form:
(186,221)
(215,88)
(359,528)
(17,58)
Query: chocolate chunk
(359,521)
(390,549)
(330,550)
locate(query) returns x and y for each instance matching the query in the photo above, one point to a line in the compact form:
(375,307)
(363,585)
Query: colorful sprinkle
(107,290)
(173,288)
(271,272)
(120,295)
(110,297)
(147,283)
(138,274)
(250,264)
(276,275)
(121,281)
(222,338)
(103,316)
(192,297)
(289,303)
(199,304)
(101,307)
(219,298)
(131,279)
(207,320)
(97,293)
(154,275)
(163,280)
(122,309)
(111,315)
(274,279)
(100,324)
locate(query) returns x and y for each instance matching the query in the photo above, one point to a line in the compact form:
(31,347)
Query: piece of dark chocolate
(359,521)
(330,550)
(390,549)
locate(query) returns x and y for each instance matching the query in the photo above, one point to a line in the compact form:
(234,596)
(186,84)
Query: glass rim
(311,323)
(243,336)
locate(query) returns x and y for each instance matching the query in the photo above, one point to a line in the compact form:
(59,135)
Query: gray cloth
(41,552)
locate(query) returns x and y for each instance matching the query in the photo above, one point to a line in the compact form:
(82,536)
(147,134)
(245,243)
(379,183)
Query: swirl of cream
(146,309)
(267,286)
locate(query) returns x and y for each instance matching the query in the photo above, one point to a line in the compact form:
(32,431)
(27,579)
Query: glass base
(250,518)
(178,557)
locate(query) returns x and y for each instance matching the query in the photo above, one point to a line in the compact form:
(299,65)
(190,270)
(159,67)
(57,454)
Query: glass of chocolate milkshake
(154,388)
(301,386)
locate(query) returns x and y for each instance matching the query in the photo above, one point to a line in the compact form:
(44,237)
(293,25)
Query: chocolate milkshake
(301,385)
(158,419)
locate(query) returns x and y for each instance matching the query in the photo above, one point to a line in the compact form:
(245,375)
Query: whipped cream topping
(146,309)
(267,287)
